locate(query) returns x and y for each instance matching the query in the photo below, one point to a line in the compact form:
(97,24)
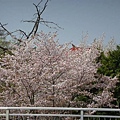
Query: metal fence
(58,113)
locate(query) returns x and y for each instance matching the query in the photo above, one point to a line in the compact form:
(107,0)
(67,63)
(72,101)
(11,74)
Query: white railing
(14,113)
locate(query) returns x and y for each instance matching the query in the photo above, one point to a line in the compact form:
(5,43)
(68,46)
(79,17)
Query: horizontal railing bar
(101,116)
(80,115)
(58,108)
(55,115)
(2,114)
(64,115)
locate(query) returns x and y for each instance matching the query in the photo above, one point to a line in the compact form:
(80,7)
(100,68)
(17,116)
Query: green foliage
(5,50)
(110,66)
(1,88)
(4,44)
(82,98)
(95,90)
(110,63)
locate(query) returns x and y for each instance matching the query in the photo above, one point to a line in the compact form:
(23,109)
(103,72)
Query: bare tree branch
(44,7)
(48,22)
(29,21)
(45,23)
(39,20)
(40,2)
(23,32)
(9,33)
(36,25)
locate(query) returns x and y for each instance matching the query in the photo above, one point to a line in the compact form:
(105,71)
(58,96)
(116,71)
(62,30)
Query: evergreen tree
(110,66)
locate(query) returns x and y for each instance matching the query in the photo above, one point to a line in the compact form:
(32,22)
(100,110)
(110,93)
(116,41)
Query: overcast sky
(77,17)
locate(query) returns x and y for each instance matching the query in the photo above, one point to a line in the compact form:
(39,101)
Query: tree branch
(36,25)
(24,33)
(39,20)
(9,33)
(48,22)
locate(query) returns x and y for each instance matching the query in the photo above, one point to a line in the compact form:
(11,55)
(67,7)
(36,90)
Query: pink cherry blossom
(43,72)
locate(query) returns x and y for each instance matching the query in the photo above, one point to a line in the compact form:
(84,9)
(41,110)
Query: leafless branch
(44,7)
(36,25)
(23,32)
(48,22)
(31,21)
(45,23)
(40,2)
(9,33)
(39,20)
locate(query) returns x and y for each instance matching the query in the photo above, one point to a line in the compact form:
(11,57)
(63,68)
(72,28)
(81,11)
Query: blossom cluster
(42,72)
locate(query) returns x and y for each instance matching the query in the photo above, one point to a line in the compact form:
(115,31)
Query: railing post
(81,118)
(7,114)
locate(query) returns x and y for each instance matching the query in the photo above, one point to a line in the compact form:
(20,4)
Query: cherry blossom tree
(41,72)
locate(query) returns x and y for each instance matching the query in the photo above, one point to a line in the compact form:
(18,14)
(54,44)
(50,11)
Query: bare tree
(38,20)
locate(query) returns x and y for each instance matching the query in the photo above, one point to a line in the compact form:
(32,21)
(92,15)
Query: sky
(77,17)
